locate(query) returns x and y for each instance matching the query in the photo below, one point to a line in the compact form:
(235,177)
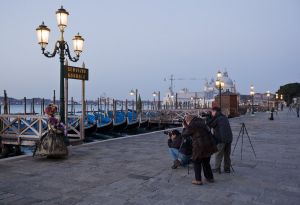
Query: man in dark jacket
(203,147)
(223,138)
(180,149)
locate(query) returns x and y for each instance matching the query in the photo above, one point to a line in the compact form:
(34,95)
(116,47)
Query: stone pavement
(136,170)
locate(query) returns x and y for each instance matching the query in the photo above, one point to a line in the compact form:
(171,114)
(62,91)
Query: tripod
(243,131)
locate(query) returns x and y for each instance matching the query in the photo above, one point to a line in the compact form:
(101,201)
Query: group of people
(199,140)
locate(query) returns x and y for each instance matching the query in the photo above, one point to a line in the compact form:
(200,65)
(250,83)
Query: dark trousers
(224,150)
(205,164)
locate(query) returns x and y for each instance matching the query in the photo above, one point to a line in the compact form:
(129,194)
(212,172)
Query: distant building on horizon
(202,99)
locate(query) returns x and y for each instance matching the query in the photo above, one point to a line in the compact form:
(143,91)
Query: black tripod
(243,131)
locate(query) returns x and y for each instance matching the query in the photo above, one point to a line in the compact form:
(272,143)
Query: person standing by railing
(52,145)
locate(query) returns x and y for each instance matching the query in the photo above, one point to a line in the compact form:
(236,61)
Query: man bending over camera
(180,149)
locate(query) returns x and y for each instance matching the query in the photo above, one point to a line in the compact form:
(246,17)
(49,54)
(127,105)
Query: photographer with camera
(179,148)
(203,147)
(223,136)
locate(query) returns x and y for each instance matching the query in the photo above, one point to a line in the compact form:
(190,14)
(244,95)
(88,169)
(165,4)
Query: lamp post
(252,93)
(61,48)
(276,100)
(132,93)
(268,95)
(172,101)
(154,94)
(154,104)
(219,85)
(195,101)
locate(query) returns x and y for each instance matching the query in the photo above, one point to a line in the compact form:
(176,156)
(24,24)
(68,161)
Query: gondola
(144,124)
(76,125)
(132,125)
(90,129)
(90,126)
(105,127)
(117,127)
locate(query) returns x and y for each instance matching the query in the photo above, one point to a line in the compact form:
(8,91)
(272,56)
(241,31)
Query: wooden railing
(22,129)
(75,122)
(27,129)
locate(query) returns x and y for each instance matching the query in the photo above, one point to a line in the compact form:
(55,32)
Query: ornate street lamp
(157,93)
(132,93)
(61,48)
(268,95)
(219,85)
(154,104)
(252,93)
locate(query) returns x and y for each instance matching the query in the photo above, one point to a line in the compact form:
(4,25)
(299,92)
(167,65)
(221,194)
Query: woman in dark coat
(203,147)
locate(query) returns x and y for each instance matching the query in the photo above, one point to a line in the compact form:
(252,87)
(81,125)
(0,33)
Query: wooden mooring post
(25,106)
(5,108)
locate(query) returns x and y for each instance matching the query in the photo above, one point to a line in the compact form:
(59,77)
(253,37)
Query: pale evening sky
(137,43)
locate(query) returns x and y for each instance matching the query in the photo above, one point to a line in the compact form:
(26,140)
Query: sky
(135,44)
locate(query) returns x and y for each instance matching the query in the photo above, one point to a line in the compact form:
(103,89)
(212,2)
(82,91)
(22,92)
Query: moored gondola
(105,127)
(90,126)
(144,124)
(117,127)
(132,125)
(89,129)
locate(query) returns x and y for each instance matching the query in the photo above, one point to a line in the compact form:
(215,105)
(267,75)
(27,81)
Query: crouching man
(179,148)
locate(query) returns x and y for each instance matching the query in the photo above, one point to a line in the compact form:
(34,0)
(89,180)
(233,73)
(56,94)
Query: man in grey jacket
(223,138)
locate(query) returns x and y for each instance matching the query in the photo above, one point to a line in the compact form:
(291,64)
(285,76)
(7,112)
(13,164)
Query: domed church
(211,90)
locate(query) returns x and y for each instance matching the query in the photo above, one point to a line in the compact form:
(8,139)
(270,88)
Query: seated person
(180,149)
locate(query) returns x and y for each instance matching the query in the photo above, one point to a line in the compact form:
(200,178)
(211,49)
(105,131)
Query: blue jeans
(175,154)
